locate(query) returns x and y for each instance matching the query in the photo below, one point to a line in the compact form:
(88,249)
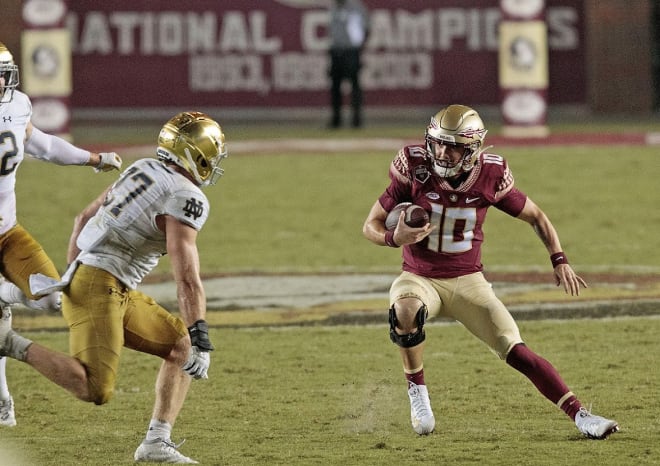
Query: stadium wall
(600,55)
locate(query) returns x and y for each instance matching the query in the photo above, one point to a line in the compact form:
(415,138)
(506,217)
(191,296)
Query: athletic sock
(10,293)
(544,377)
(571,405)
(159,430)
(16,346)
(4,389)
(417,377)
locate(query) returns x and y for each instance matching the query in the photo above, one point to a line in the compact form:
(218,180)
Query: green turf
(312,395)
(304,212)
(337,396)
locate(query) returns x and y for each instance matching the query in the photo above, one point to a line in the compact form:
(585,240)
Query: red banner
(256,53)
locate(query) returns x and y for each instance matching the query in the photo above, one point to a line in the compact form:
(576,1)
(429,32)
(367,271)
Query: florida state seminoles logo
(471,132)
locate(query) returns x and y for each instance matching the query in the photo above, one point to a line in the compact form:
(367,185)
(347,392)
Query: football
(415,217)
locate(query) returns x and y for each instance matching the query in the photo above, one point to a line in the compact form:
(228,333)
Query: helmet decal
(472,132)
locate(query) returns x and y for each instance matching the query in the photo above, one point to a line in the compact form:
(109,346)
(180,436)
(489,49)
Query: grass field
(303,212)
(325,396)
(336,396)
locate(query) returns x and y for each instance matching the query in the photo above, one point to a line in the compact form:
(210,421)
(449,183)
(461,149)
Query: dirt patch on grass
(359,299)
(363,298)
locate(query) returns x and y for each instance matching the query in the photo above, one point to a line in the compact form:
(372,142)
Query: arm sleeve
(513,203)
(53,149)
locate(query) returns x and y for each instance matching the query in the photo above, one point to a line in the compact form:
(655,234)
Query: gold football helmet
(8,71)
(196,143)
(458,126)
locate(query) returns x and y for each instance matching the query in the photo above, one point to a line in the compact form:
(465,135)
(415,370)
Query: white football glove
(199,359)
(51,302)
(109,161)
(198,363)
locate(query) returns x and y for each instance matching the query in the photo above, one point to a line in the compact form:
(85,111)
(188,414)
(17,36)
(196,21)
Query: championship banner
(272,54)
(523,68)
(46,64)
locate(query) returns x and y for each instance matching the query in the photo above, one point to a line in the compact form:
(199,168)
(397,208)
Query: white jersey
(122,238)
(14,119)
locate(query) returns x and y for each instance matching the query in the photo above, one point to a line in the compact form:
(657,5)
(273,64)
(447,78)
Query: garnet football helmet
(196,143)
(9,71)
(459,126)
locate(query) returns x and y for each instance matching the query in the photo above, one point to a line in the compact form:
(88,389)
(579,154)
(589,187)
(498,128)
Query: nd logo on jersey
(194,208)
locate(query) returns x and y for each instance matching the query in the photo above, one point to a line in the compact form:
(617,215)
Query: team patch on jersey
(422,174)
(194,208)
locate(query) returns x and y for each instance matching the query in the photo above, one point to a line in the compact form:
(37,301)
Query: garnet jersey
(14,119)
(454,247)
(122,237)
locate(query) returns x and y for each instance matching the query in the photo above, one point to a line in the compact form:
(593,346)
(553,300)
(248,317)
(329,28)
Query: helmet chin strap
(462,166)
(6,95)
(447,172)
(193,167)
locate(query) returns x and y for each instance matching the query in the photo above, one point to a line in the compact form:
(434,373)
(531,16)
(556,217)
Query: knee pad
(411,339)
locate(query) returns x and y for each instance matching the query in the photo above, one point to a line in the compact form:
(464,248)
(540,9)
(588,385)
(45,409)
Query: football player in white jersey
(20,254)
(156,207)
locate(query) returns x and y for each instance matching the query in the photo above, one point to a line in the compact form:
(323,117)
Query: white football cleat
(595,427)
(7,416)
(421,414)
(161,451)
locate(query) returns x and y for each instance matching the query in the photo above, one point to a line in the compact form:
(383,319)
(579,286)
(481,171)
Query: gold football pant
(469,299)
(104,316)
(21,256)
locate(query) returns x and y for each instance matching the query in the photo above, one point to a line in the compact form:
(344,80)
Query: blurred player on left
(20,254)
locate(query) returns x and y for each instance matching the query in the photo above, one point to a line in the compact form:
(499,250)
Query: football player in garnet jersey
(156,207)
(456,181)
(20,254)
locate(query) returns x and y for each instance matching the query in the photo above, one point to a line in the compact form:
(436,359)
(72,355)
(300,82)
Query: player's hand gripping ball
(416,216)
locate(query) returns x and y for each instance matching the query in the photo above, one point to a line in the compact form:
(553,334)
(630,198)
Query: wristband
(558,258)
(199,335)
(389,239)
